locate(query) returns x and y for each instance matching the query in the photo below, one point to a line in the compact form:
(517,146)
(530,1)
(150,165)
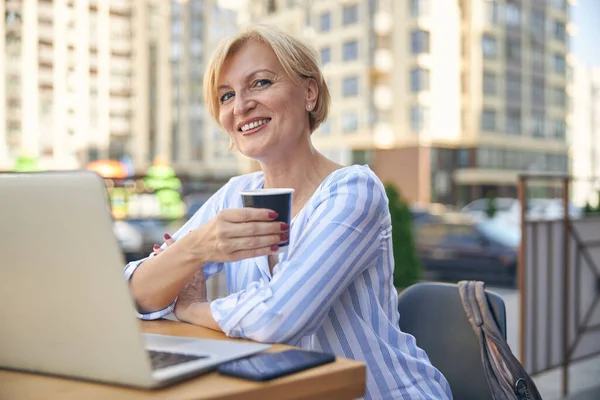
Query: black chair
(433,313)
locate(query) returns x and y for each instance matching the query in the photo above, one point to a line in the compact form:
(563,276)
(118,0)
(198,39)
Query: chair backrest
(433,313)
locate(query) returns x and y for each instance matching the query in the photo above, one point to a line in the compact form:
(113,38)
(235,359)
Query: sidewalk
(584,376)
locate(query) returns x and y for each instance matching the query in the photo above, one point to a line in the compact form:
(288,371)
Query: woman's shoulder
(354,177)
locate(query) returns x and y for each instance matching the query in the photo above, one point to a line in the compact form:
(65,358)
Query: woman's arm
(206,241)
(339,243)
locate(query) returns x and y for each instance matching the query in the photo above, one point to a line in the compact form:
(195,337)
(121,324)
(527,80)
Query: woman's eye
(262,83)
(226,97)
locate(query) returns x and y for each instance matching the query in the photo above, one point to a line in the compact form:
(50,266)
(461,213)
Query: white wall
(585,136)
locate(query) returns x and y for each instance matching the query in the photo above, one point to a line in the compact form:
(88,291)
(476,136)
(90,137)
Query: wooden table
(343,379)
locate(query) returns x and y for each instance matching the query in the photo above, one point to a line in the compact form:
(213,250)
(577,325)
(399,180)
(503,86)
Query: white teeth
(254,124)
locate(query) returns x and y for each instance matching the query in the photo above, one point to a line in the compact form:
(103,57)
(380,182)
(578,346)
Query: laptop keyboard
(163,359)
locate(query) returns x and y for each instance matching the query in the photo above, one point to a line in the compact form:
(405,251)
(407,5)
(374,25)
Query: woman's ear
(312,92)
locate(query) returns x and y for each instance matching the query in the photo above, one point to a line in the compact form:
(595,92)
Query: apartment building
(94,79)
(447,99)
(585,140)
(68,80)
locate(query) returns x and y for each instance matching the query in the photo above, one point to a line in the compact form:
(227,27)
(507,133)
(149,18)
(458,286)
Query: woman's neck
(302,170)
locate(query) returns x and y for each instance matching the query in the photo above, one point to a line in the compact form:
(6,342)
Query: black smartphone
(267,366)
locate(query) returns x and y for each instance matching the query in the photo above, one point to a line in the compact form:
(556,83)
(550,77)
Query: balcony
(120,126)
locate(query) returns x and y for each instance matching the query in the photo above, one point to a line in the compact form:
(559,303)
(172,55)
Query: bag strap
(504,373)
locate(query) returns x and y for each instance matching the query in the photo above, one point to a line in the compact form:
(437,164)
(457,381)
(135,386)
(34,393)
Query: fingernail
(284,236)
(275,247)
(156,246)
(167,236)
(273,214)
(285,227)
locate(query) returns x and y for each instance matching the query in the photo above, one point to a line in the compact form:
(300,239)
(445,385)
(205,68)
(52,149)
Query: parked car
(137,236)
(508,210)
(456,247)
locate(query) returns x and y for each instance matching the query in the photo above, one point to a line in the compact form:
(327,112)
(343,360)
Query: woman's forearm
(158,280)
(199,313)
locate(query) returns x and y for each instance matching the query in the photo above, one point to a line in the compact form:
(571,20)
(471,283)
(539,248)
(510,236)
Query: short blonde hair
(297,59)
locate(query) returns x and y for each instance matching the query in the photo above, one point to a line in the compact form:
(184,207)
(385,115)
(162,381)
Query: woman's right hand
(236,234)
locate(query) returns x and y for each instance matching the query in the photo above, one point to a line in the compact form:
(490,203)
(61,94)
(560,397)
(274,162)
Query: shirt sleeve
(207,212)
(339,242)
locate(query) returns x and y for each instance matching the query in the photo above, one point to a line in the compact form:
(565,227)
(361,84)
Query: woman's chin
(254,152)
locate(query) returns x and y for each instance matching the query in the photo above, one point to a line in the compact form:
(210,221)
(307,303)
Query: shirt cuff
(229,311)
(129,270)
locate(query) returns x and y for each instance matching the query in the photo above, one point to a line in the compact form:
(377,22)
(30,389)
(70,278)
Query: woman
(332,291)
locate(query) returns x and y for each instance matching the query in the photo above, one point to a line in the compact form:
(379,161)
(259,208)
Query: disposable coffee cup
(278,200)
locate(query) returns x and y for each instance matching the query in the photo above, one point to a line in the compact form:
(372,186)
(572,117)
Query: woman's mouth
(254,126)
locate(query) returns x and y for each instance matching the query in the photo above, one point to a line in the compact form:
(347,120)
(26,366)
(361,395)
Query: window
(419,41)
(538,92)
(271,6)
(431,234)
(419,118)
(350,14)
(560,4)
(513,88)
(350,50)
(560,128)
(325,55)
(537,125)
(325,21)
(464,157)
(537,56)
(419,8)
(492,12)
(489,83)
(513,50)
(350,87)
(488,120)
(537,24)
(465,235)
(488,44)
(349,122)
(513,122)
(559,97)
(513,14)
(559,31)
(419,79)
(559,64)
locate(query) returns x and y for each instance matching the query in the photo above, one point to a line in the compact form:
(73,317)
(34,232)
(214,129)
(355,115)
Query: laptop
(65,306)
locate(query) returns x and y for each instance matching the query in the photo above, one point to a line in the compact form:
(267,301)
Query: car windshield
(501,233)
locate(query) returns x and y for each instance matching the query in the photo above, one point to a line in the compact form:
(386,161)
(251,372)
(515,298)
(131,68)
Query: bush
(407,266)
(491,209)
(588,209)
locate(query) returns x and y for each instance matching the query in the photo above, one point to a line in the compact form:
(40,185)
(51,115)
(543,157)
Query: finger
(157,249)
(248,214)
(168,239)
(245,229)
(253,242)
(260,252)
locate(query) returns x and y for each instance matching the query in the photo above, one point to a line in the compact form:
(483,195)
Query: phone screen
(274,365)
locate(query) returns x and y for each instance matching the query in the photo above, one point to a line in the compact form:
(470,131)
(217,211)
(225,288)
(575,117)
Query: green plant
(588,209)
(491,209)
(407,266)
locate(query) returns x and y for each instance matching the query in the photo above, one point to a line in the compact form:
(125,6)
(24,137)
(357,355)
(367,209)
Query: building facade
(585,139)
(69,80)
(90,79)
(448,99)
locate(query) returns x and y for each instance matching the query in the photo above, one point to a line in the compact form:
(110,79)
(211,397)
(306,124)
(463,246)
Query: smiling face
(262,109)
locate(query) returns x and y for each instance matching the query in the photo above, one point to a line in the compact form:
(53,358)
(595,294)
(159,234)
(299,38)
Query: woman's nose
(243,104)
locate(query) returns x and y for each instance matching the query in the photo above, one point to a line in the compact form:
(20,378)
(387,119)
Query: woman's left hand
(193,292)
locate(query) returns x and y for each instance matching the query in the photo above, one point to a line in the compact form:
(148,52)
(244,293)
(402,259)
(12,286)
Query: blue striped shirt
(332,291)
